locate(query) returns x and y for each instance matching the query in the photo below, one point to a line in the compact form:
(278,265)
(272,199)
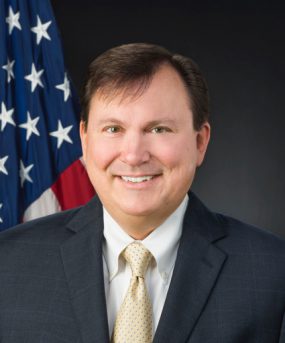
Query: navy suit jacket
(228,284)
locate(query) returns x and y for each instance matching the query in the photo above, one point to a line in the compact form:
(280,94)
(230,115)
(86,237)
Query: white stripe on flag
(46,204)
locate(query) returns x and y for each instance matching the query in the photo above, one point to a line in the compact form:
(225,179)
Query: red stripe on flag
(73,187)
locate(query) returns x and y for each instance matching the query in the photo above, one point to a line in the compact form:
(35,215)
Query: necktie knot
(138,257)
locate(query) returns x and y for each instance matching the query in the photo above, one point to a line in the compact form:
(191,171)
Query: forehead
(164,93)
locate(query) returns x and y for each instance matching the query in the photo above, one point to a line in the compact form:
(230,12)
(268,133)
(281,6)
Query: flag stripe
(66,187)
(46,204)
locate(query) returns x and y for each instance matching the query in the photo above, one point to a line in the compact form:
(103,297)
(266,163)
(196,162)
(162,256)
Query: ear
(83,137)
(202,139)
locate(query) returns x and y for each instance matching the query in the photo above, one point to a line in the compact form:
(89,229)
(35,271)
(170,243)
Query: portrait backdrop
(241,51)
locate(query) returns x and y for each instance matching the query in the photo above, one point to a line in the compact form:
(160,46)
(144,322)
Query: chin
(139,210)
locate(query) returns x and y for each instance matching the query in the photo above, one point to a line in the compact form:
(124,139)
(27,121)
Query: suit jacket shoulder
(244,237)
(49,228)
(51,278)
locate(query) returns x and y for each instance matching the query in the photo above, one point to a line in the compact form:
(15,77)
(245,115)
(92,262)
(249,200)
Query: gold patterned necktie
(134,319)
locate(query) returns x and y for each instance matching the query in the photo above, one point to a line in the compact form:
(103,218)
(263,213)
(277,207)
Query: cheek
(177,154)
(100,153)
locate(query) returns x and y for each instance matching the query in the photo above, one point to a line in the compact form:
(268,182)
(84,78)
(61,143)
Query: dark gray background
(241,51)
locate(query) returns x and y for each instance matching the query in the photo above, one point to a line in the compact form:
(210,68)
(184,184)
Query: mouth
(137,179)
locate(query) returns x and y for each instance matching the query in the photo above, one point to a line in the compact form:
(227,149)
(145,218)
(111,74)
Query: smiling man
(145,261)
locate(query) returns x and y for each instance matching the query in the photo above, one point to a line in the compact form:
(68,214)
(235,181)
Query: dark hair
(122,68)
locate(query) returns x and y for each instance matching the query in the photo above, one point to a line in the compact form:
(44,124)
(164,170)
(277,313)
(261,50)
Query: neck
(138,227)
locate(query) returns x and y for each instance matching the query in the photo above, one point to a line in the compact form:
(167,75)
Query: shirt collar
(169,232)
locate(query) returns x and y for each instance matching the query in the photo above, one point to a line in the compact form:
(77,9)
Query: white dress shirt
(162,243)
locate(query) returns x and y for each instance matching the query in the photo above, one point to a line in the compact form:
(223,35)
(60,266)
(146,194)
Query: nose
(134,149)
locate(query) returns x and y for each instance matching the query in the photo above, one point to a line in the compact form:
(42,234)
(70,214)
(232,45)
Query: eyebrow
(109,120)
(148,124)
(162,121)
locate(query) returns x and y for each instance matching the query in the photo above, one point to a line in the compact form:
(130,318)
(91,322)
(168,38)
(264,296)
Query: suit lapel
(82,260)
(196,271)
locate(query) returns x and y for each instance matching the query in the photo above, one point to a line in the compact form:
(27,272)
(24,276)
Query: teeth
(137,179)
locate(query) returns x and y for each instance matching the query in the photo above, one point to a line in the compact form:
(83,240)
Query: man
(145,260)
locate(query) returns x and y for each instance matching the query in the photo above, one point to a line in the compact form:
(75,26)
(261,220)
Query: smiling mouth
(137,179)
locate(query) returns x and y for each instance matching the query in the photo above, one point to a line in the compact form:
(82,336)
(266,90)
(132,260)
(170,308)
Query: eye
(160,129)
(112,129)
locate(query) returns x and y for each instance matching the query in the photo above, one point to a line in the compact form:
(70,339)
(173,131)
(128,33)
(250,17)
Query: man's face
(141,152)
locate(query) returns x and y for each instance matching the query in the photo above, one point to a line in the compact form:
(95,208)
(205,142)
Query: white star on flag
(2,165)
(24,173)
(41,30)
(34,78)
(13,20)
(62,134)
(1,221)
(9,68)
(6,116)
(65,87)
(30,126)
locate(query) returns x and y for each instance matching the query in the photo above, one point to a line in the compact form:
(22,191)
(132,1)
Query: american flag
(40,167)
